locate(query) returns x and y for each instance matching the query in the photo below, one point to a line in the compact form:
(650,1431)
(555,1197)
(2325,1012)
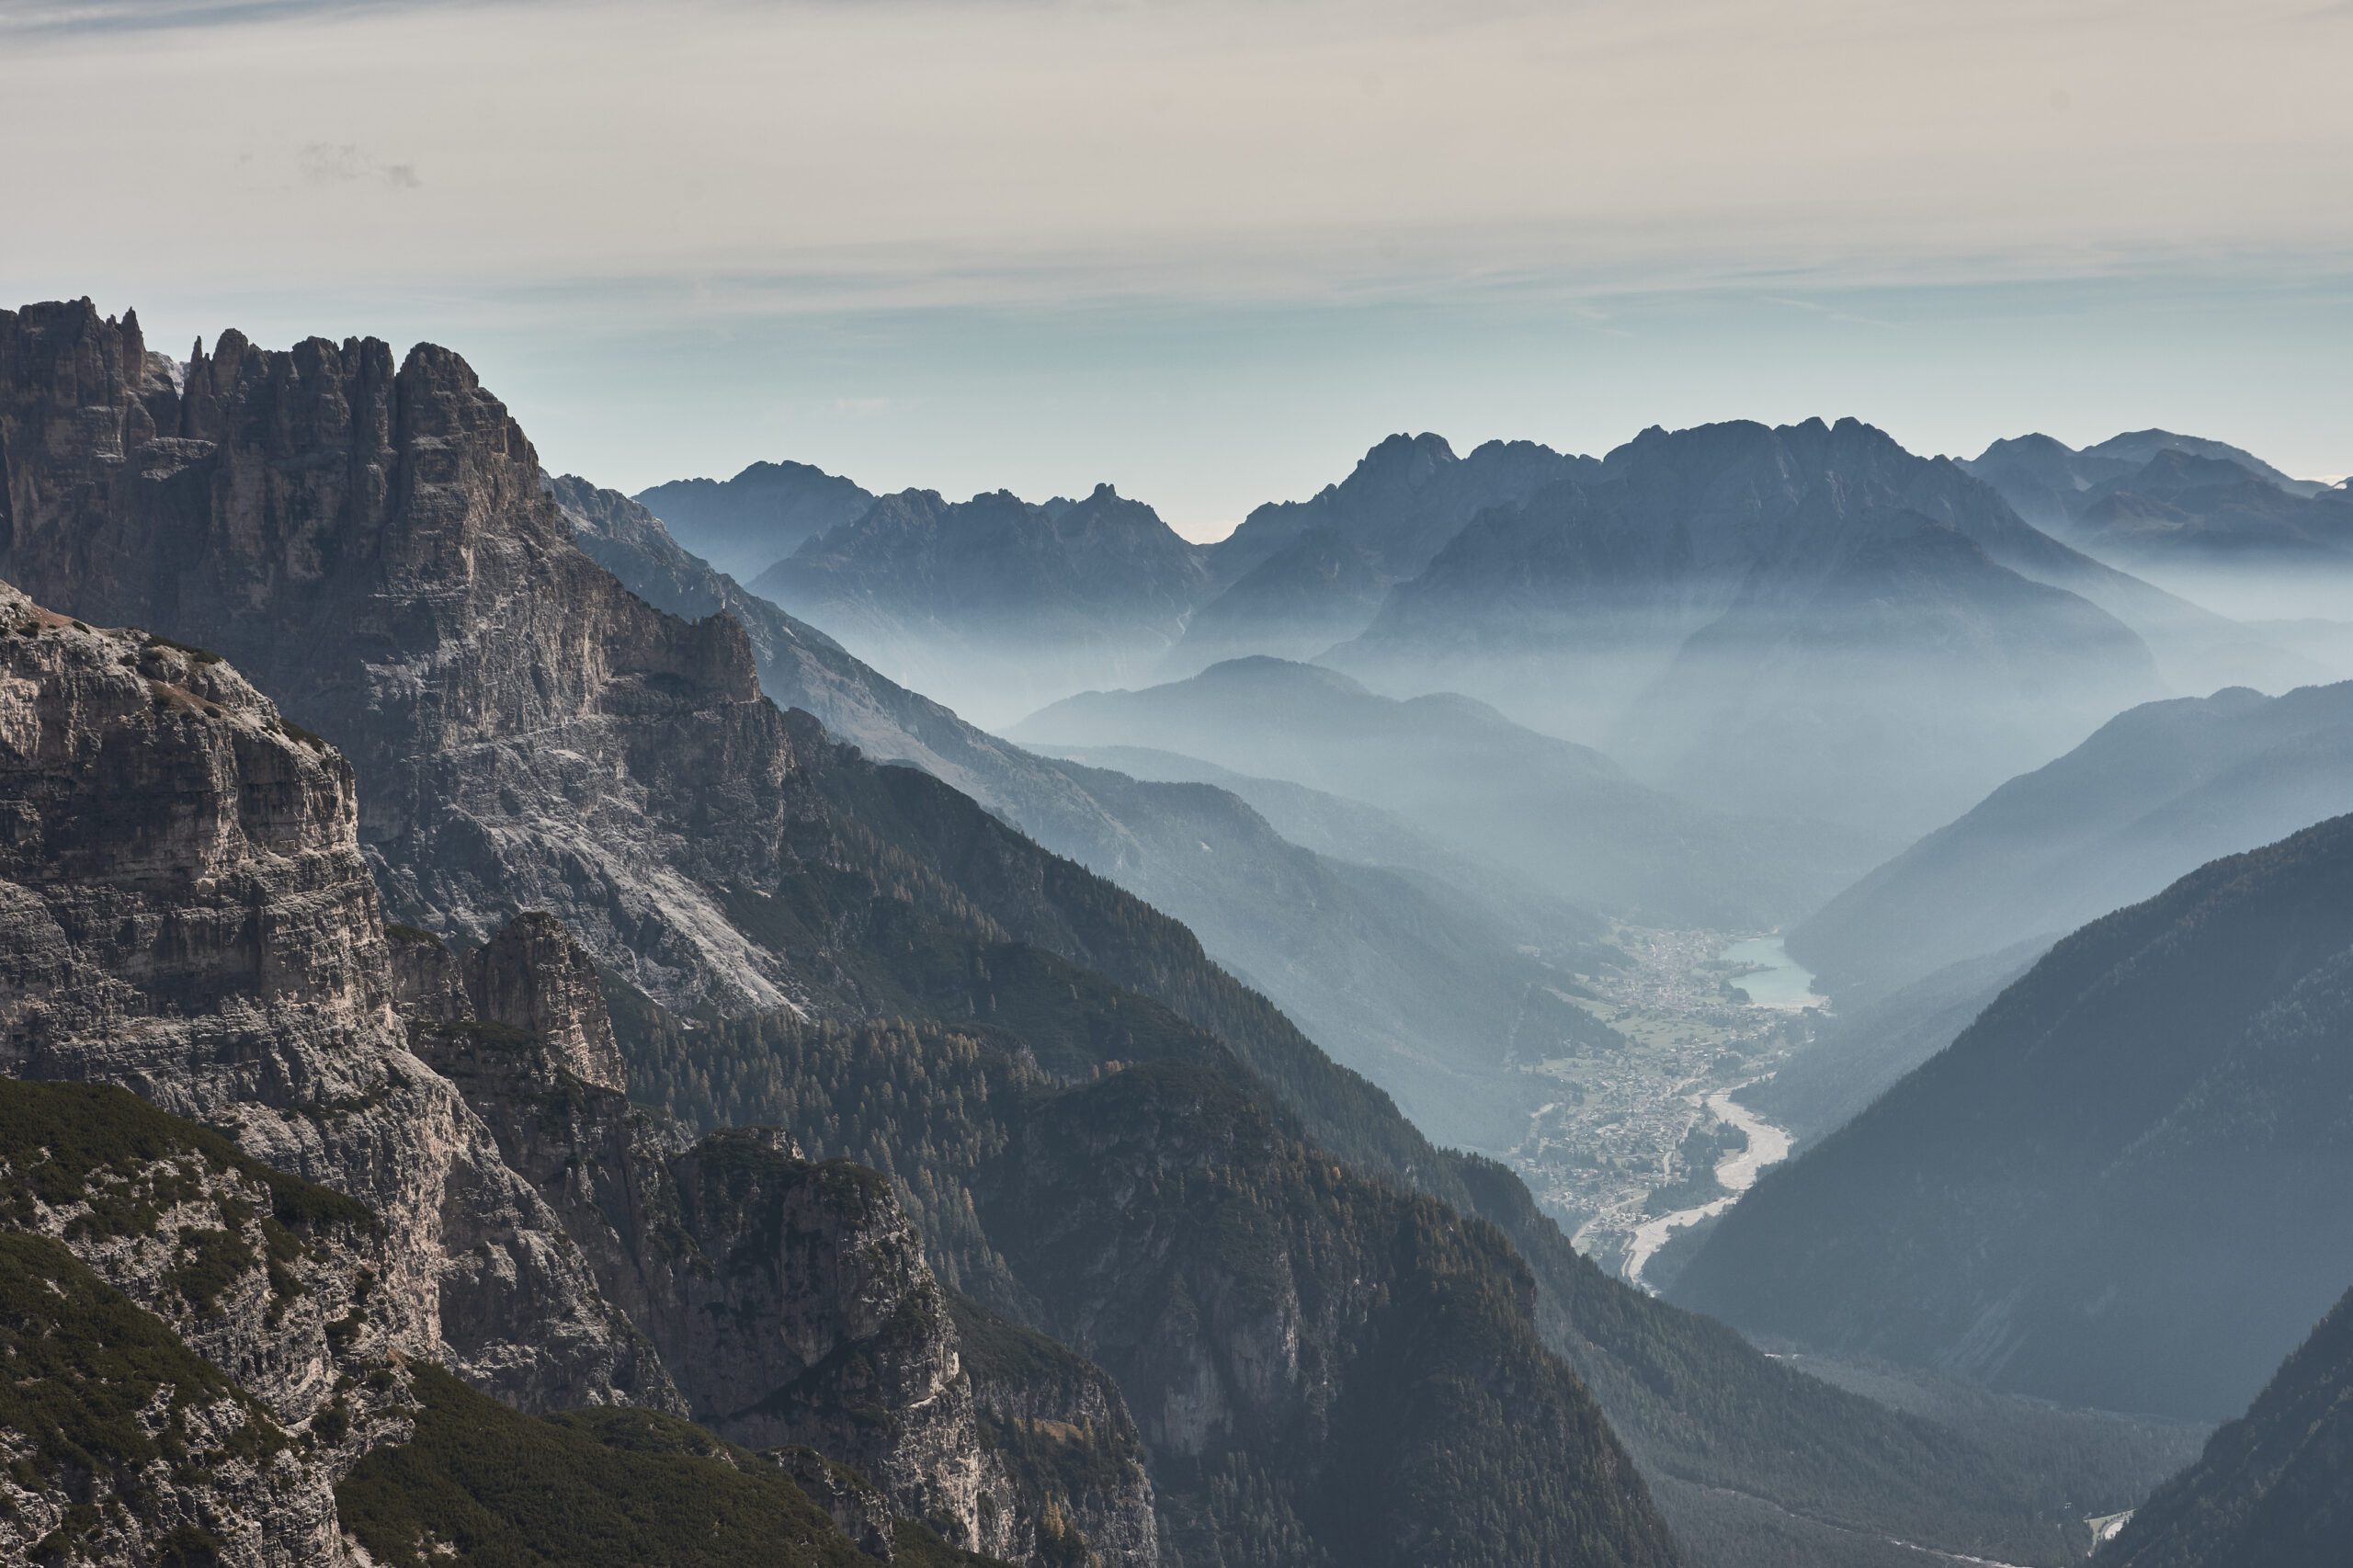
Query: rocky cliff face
(789,1301)
(369,544)
(183,910)
(149,1270)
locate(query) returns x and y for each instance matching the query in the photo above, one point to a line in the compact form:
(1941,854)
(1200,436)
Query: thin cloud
(1828,313)
(346,163)
(904,153)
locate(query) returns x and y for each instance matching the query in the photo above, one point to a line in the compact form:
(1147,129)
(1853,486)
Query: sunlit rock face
(185,910)
(369,542)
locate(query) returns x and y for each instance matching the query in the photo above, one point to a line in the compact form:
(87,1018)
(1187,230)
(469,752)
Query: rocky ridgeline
(185,911)
(370,544)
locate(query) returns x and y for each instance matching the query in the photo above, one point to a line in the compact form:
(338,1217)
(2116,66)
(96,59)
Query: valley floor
(1633,1145)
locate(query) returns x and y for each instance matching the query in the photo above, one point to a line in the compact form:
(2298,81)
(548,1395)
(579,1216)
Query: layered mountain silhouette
(2049,482)
(2127,1184)
(2207,520)
(747,523)
(2153,793)
(1352,830)
(995,604)
(1802,620)
(1465,774)
(1297,576)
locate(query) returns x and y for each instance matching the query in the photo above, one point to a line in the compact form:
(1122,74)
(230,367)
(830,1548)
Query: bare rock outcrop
(185,911)
(149,1269)
(789,1299)
(369,544)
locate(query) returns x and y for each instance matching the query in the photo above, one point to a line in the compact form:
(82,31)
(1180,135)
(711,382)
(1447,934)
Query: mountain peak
(1403,459)
(1265,670)
(2033,444)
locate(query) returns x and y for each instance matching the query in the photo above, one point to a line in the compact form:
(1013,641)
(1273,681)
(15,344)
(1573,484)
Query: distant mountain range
(1804,620)
(994,605)
(2201,517)
(1800,620)
(1462,773)
(747,523)
(1297,576)
(2153,793)
(2128,1183)
(1352,830)
(2049,482)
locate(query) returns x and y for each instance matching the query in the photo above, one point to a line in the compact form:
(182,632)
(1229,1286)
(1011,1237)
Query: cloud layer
(806,156)
(1212,248)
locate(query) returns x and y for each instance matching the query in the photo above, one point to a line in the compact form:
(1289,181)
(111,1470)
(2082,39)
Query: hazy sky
(1213,250)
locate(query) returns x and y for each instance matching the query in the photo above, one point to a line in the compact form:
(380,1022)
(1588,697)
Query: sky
(1211,250)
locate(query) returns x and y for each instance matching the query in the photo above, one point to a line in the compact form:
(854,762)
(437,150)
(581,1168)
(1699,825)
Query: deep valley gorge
(1756,999)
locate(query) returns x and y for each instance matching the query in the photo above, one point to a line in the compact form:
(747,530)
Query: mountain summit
(1803,620)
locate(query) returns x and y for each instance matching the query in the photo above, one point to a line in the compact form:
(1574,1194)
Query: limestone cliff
(369,544)
(183,910)
(789,1299)
(148,1269)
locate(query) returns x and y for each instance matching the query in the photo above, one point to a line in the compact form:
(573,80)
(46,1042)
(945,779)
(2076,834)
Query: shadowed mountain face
(2128,1183)
(2156,792)
(2273,1487)
(747,523)
(1462,773)
(993,604)
(1802,621)
(1297,576)
(2191,509)
(1870,1042)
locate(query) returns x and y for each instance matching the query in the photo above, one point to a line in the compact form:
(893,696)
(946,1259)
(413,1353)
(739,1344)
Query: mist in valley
(1341,784)
(1721,784)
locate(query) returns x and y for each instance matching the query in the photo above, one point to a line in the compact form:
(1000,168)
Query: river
(1768,1145)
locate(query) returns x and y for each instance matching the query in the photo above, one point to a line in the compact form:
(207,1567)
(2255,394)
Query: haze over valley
(1175,785)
